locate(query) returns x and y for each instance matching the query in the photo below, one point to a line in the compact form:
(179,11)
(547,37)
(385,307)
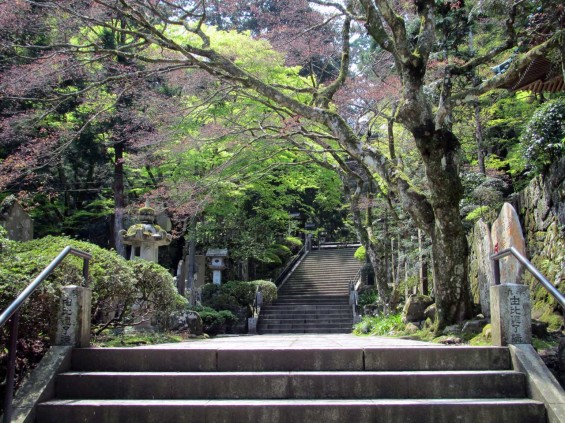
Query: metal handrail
(284,273)
(530,267)
(12,314)
(353,288)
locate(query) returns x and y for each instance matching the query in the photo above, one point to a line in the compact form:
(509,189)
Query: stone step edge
(291,402)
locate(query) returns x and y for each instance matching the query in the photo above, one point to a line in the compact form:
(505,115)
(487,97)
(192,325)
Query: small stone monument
(511,314)
(145,237)
(73,319)
(510,305)
(15,220)
(217,256)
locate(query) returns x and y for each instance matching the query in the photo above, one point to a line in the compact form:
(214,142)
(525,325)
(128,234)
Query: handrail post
(496,270)
(11,367)
(85,269)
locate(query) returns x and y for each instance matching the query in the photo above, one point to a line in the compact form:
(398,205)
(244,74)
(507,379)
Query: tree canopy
(240,99)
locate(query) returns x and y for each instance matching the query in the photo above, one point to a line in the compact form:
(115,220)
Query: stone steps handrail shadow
(12,314)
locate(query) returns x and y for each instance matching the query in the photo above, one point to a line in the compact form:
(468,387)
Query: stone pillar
(252,325)
(510,310)
(73,317)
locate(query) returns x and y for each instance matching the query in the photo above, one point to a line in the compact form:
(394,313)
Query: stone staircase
(315,298)
(194,383)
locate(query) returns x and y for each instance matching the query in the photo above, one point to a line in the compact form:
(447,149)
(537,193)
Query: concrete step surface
(398,358)
(290,385)
(285,411)
(260,381)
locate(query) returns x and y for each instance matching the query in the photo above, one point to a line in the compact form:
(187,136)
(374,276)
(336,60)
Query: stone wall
(541,208)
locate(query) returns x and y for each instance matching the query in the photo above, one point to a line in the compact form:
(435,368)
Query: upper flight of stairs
(315,298)
(374,384)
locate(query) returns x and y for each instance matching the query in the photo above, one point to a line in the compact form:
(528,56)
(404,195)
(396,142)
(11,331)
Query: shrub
(368,296)
(293,243)
(215,321)
(234,295)
(116,284)
(360,254)
(389,325)
(543,139)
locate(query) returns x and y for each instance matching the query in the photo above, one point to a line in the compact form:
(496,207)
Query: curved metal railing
(12,314)
(530,267)
(288,268)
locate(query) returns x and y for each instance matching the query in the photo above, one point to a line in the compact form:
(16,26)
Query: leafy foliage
(544,136)
(361,254)
(235,295)
(389,325)
(215,321)
(117,286)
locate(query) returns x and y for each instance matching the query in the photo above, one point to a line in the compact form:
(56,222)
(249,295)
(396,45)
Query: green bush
(543,138)
(389,325)
(215,321)
(368,296)
(117,285)
(293,243)
(360,254)
(234,295)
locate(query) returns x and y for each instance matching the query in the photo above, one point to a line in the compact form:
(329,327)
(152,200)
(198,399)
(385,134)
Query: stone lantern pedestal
(217,264)
(145,237)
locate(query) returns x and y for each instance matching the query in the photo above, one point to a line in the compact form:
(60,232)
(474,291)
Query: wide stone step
(289,410)
(312,330)
(306,308)
(297,313)
(315,299)
(317,326)
(312,292)
(429,358)
(285,320)
(290,385)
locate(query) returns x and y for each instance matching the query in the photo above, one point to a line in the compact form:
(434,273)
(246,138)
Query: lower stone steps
(274,385)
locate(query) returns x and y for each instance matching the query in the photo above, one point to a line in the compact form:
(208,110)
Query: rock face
(541,207)
(415,308)
(189,321)
(482,250)
(506,232)
(541,211)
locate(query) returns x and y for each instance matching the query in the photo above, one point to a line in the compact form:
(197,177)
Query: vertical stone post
(510,311)
(73,317)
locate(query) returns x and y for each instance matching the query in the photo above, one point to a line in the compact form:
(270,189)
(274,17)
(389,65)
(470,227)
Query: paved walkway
(339,341)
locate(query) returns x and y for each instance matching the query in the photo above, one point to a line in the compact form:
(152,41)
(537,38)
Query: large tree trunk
(439,151)
(364,233)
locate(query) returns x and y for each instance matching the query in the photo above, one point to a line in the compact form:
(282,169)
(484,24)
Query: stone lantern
(217,264)
(145,237)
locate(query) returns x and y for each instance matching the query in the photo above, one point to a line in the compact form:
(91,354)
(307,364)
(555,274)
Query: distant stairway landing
(315,298)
